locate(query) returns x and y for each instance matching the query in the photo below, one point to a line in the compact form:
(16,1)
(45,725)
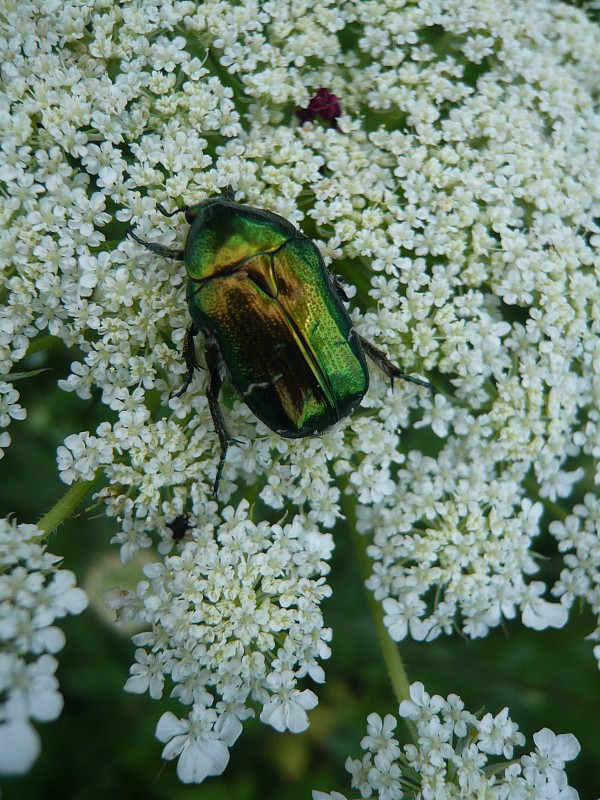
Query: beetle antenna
(166,213)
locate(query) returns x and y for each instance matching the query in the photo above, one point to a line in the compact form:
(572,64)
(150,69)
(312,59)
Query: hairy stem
(66,506)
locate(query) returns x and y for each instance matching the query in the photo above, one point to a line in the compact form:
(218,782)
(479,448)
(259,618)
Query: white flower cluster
(500,188)
(9,409)
(233,623)
(455,756)
(481,556)
(579,539)
(34,593)
(459,193)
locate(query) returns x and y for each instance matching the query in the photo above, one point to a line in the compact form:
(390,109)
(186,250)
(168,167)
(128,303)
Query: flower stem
(66,506)
(389,648)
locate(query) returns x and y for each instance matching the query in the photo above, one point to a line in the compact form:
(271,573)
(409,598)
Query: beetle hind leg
(391,370)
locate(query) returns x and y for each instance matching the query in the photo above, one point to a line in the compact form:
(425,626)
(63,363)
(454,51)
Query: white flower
(438,413)
(286,710)
(499,734)
(539,614)
(552,752)
(421,707)
(146,675)
(81,456)
(379,735)
(469,765)
(60,597)
(402,617)
(196,740)
(34,691)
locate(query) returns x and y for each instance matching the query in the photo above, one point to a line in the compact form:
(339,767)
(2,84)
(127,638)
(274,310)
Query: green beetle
(273,321)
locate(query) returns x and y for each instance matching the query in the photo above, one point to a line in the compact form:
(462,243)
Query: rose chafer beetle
(273,321)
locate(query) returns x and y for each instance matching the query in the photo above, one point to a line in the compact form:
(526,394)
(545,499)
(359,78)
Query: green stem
(66,506)
(389,648)
(42,343)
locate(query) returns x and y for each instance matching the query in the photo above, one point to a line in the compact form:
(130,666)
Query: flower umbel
(454,756)
(483,267)
(233,624)
(33,594)
(579,539)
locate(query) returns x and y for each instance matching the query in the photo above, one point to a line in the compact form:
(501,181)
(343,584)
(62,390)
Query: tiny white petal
(202,758)
(169,726)
(19,747)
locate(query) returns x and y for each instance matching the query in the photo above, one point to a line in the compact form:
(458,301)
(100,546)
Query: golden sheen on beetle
(273,321)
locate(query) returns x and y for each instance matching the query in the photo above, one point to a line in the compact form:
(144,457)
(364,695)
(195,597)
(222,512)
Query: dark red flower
(325,105)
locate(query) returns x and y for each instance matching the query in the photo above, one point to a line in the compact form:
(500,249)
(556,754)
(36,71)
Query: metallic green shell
(260,288)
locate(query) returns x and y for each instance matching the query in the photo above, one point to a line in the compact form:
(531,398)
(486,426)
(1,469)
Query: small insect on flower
(179,526)
(273,321)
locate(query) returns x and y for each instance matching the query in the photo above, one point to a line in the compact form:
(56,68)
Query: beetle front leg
(154,247)
(214,362)
(391,370)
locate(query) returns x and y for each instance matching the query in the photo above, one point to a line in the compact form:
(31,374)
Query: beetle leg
(154,247)
(340,289)
(214,362)
(391,370)
(189,356)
